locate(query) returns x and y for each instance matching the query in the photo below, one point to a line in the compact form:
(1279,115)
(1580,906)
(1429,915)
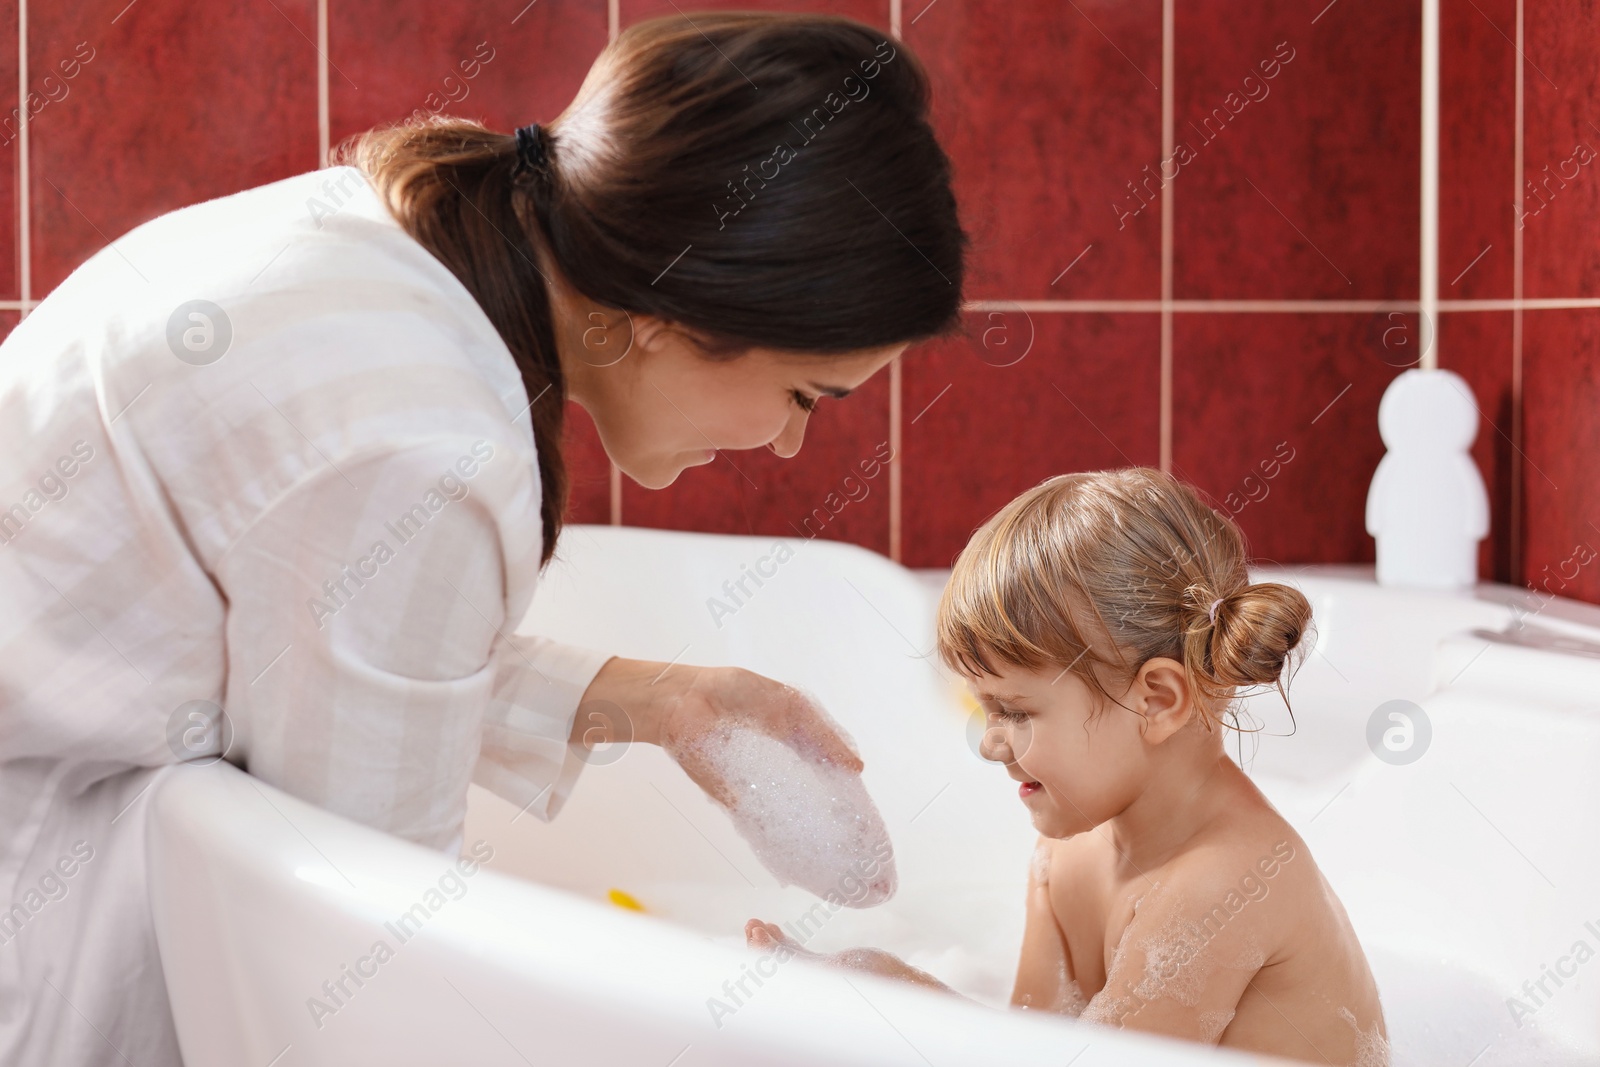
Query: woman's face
(660,406)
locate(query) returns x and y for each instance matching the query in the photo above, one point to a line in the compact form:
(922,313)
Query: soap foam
(1372,1048)
(1108,1007)
(1068,1000)
(1071,1000)
(1212,1023)
(1179,960)
(1175,964)
(1039,864)
(810,823)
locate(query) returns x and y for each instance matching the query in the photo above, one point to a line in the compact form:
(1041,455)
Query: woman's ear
(1161,693)
(610,336)
(650,333)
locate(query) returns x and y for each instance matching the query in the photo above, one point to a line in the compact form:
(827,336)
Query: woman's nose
(787,443)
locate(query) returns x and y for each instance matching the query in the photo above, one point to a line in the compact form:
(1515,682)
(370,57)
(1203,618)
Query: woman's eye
(806,403)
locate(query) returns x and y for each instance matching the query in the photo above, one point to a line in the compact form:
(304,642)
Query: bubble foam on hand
(809,823)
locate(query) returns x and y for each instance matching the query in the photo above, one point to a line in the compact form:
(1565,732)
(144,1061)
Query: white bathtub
(1466,872)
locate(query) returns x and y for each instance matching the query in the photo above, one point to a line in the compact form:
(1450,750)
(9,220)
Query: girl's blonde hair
(1102,571)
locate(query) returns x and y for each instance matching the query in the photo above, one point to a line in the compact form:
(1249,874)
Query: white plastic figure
(1427,506)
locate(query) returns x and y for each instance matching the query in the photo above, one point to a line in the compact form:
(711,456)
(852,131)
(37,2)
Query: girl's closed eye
(1009,715)
(807,403)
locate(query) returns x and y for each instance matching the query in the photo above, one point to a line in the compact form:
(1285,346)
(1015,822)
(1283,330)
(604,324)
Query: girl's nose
(995,745)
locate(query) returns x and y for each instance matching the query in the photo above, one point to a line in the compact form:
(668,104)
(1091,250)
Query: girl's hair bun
(1256,630)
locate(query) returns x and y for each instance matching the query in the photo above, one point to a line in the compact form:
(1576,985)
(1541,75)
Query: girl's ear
(1161,693)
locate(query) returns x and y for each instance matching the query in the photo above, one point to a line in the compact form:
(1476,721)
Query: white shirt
(318,509)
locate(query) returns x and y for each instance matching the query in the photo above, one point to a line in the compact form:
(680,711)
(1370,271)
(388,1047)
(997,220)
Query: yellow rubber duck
(624,900)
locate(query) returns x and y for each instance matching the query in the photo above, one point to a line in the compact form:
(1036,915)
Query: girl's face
(1075,769)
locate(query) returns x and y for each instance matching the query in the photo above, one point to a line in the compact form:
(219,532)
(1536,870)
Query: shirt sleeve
(525,755)
(373,669)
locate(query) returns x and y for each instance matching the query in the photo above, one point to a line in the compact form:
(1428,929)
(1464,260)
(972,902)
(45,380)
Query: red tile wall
(152,106)
(1310,191)
(1234,313)
(998,410)
(1561,216)
(10,163)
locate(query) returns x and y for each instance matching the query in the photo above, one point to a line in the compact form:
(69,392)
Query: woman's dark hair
(781,165)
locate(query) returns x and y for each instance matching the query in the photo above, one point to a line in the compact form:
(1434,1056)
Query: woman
(296,454)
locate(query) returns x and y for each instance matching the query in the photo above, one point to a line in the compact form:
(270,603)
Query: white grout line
(1514,534)
(1168,111)
(896,393)
(1429,266)
(1302,307)
(613,28)
(24,170)
(323,132)
(1534,304)
(896,464)
(1230,307)
(1227,307)
(1129,306)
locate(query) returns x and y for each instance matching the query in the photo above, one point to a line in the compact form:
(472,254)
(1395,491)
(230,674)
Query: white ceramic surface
(1465,872)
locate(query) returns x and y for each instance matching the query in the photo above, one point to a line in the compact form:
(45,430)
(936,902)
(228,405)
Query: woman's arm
(671,704)
(360,629)
(373,669)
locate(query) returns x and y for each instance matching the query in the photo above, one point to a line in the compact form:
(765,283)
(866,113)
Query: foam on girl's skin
(1173,947)
(1372,1048)
(811,824)
(1180,947)
(1105,1006)
(1212,1023)
(1039,865)
(1071,1001)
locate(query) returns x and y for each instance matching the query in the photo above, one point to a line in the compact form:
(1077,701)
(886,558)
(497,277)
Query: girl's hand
(765,935)
(674,705)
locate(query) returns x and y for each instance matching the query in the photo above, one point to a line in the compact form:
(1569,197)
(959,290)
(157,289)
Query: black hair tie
(530,149)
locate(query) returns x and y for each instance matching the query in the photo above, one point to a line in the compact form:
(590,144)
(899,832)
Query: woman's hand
(765,935)
(673,705)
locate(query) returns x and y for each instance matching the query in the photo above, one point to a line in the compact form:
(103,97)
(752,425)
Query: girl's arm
(1044,979)
(768,936)
(1044,971)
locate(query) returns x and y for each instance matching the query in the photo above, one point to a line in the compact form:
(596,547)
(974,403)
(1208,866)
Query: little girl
(1105,621)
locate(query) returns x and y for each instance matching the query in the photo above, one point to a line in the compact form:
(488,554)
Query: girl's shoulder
(1060,862)
(1244,889)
